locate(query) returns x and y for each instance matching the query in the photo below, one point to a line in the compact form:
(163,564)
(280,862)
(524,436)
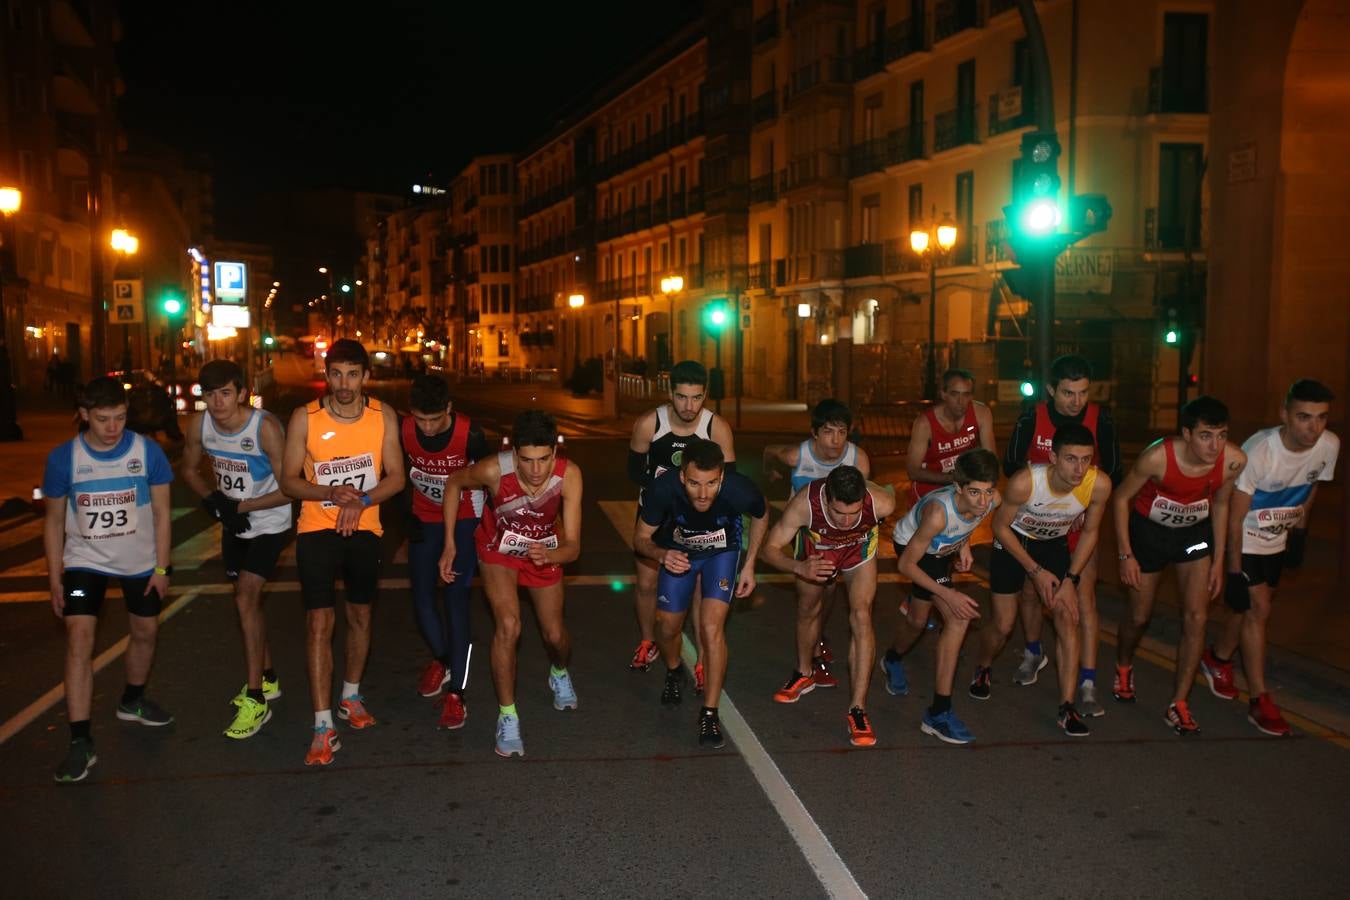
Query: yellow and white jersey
(1047,515)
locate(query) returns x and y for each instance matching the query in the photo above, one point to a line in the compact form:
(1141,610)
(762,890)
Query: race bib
(711,540)
(948,463)
(107,514)
(1177,515)
(513,544)
(428,485)
(1273,522)
(233,477)
(1042,528)
(357,471)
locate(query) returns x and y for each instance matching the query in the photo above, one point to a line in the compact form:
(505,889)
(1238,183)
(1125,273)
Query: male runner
(342,461)
(1165,514)
(658,442)
(108,516)
(926,538)
(1274,495)
(691,523)
(1040,504)
(827,449)
(836,520)
(1069,388)
(944,431)
(437,443)
(520,543)
(246,447)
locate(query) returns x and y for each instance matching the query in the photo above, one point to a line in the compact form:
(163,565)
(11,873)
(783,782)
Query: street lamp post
(10,201)
(575,302)
(126,244)
(931,243)
(670,286)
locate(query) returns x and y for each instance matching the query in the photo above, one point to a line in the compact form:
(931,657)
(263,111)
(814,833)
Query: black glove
(1295,547)
(240,524)
(414,529)
(1236,593)
(226,511)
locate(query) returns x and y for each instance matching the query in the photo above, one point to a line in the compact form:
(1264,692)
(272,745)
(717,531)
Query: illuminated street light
(922,243)
(576,301)
(11,198)
(803,310)
(124,242)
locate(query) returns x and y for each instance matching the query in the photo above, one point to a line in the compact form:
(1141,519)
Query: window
(47,256)
(871,123)
(494,298)
(506,298)
(963,254)
(870,230)
(506,257)
(1183,88)
(681,254)
(503,345)
(915,206)
(1178,194)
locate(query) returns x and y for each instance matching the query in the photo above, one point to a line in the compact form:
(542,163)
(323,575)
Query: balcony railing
(862,260)
(904,144)
(955,128)
(766,27)
(764,108)
(672,136)
(1174,98)
(1011,108)
(830,70)
(902,39)
(898,257)
(763,189)
(821,265)
(867,157)
(951,17)
(813,167)
(869,60)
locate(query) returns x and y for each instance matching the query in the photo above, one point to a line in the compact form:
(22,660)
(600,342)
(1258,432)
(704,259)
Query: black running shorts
(1006,575)
(1264,569)
(258,555)
(1157,546)
(938,568)
(324,556)
(84,593)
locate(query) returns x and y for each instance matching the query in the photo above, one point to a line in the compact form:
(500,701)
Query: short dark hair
(103,392)
(978,464)
(704,455)
(1069,368)
(346,350)
(1205,409)
(1072,434)
(830,411)
(1308,391)
(429,394)
(688,371)
(964,374)
(218,373)
(534,428)
(845,484)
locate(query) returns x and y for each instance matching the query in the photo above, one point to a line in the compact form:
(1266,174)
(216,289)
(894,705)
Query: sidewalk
(46,421)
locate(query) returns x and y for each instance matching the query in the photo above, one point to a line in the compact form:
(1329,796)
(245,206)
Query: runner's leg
(500,586)
(861,584)
(712,624)
(1253,638)
(1191,577)
(252,625)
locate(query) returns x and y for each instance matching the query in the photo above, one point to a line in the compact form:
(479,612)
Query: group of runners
(1228,519)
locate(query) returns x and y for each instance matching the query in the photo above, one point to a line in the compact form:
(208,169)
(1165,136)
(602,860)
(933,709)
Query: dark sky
(378,97)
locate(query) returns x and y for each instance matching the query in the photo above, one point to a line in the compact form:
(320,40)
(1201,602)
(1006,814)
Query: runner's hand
(956,605)
(342,494)
(1061,599)
(58,595)
(676,562)
(1215,580)
(158,584)
(965,559)
(1129,572)
(745,585)
(1046,585)
(538,554)
(349,517)
(816,568)
(447,563)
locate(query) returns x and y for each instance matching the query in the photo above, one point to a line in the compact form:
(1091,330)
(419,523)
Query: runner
(944,431)
(521,544)
(1041,504)
(926,538)
(691,523)
(1164,513)
(658,442)
(342,461)
(1069,389)
(108,515)
(1266,524)
(835,520)
(438,442)
(827,449)
(246,447)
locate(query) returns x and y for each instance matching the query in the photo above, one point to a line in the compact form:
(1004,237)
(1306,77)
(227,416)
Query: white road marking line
(39,566)
(39,706)
(824,860)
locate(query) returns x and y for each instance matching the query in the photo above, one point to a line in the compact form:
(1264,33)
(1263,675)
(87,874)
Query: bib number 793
(107,518)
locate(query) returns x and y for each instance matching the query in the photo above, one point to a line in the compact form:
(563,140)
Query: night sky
(378,98)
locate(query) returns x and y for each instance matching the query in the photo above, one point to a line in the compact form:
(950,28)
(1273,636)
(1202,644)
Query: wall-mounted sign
(231,282)
(223,316)
(128,306)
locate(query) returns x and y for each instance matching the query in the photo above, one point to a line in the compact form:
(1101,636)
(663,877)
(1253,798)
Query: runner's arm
(780,459)
(644,543)
(1152,463)
(883,499)
(721,435)
(395,474)
(1092,525)
(931,522)
(1238,507)
(54,545)
(638,447)
(985,420)
(274,445)
(863,463)
(190,467)
(486,473)
(784,532)
(1019,443)
(1234,462)
(161,507)
(569,547)
(920,436)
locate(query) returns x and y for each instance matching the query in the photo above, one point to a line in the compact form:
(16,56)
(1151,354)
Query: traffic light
(1035,214)
(1027,388)
(716,317)
(268,340)
(172,303)
(717,384)
(1171,333)
(1088,214)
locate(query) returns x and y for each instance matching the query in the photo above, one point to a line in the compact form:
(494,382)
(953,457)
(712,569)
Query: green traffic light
(173,306)
(268,341)
(1028,389)
(1172,336)
(718,317)
(1041,217)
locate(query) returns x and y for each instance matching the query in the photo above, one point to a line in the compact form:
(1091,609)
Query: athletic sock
(256,694)
(1085,674)
(708,711)
(556,672)
(892,656)
(80,730)
(323,718)
(941,703)
(350,689)
(506,710)
(1034,648)
(132,692)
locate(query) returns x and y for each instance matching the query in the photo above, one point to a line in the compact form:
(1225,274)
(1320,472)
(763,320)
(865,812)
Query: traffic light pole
(1045,121)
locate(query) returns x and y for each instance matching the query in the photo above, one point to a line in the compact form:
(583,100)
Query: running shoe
(1218,675)
(79,760)
(249,719)
(979,685)
(147,712)
(644,656)
(1122,688)
(792,690)
(434,677)
(823,651)
(322,747)
(509,743)
(1179,717)
(1088,706)
(353,710)
(672,694)
(897,685)
(710,732)
(1071,723)
(860,733)
(698,678)
(1265,715)
(946,727)
(1032,663)
(453,712)
(820,673)
(564,695)
(271,689)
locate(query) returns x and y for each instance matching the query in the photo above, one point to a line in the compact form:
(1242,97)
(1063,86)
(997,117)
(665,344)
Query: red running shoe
(820,673)
(1265,715)
(1218,675)
(434,677)
(453,712)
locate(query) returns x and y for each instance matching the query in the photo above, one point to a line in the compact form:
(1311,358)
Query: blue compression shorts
(674,592)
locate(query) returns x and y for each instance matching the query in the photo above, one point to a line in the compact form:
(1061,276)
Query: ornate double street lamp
(931,243)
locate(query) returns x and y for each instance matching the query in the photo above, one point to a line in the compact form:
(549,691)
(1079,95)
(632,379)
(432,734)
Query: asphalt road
(615,798)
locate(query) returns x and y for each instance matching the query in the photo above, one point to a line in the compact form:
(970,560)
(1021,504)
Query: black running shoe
(710,732)
(79,759)
(1071,723)
(672,694)
(979,685)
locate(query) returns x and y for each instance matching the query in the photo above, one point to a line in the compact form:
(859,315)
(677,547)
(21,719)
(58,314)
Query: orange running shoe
(322,747)
(644,656)
(353,709)
(1179,717)
(698,678)
(453,712)
(1122,688)
(796,685)
(860,733)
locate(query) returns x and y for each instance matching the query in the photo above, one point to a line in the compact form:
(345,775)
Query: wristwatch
(365,499)
(163,570)
(1074,577)
(1125,556)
